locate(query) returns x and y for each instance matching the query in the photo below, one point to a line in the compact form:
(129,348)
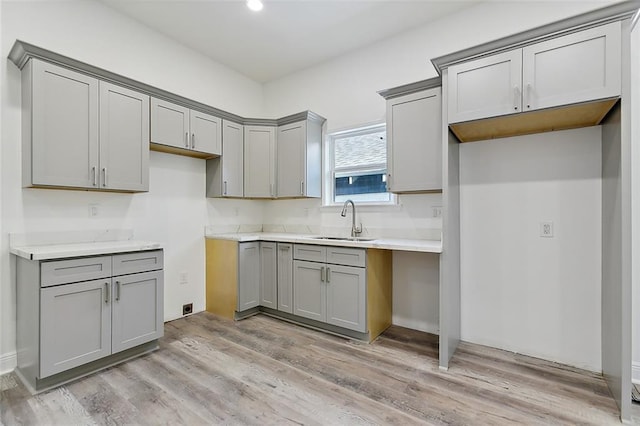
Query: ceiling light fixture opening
(255,5)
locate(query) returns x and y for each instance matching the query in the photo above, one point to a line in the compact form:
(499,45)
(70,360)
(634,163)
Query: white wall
(520,291)
(344,91)
(635,203)
(174,211)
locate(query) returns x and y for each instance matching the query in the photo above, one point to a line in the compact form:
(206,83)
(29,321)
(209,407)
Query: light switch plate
(546,229)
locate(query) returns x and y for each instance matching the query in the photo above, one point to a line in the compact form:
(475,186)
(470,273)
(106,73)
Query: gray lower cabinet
(67,320)
(329,285)
(248,275)
(268,275)
(285,277)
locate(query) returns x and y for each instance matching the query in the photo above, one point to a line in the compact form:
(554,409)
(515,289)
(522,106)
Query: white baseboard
(635,373)
(8,362)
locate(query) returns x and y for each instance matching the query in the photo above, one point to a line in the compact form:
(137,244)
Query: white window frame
(330,171)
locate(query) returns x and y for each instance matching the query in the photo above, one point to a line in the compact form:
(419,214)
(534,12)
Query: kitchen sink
(343,238)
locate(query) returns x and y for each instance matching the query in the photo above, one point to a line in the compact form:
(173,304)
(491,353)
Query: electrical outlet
(94,210)
(546,229)
(436,211)
(184,278)
(187,309)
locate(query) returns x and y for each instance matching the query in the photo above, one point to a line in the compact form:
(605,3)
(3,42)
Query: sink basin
(342,238)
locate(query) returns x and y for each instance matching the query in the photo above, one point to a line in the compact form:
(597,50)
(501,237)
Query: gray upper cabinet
(299,159)
(225,174)
(486,87)
(574,68)
(248,276)
(79,132)
(124,139)
(180,130)
(414,142)
(259,161)
(268,275)
(59,127)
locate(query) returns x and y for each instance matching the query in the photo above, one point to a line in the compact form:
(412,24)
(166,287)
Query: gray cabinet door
(486,87)
(248,275)
(137,302)
(414,142)
(291,159)
(232,159)
(575,68)
(206,133)
(285,277)
(259,161)
(309,290)
(124,139)
(346,297)
(268,275)
(75,325)
(169,124)
(64,138)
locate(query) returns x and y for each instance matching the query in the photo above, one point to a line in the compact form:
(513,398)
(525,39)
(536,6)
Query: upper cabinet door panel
(575,68)
(169,124)
(65,127)
(259,161)
(124,139)
(206,133)
(291,159)
(414,142)
(486,87)
(233,159)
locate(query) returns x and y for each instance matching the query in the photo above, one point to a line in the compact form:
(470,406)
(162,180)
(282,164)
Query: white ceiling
(287,35)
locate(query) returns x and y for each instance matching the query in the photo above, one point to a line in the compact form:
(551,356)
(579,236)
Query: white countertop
(427,246)
(60,251)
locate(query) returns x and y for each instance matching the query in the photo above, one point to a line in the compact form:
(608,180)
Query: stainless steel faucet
(355,230)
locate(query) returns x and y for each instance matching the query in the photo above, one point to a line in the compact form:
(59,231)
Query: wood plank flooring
(264,371)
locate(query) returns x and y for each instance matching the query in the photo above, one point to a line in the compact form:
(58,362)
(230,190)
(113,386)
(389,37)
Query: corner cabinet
(78,315)
(580,67)
(225,174)
(259,161)
(79,132)
(180,130)
(414,141)
(299,159)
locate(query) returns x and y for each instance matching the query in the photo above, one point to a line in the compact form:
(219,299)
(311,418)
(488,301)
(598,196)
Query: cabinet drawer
(310,252)
(346,256)
(131,263)
(74,270)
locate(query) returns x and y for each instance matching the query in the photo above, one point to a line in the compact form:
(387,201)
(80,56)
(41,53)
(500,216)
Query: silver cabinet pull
(117,290)
(301,187)
(225,188)
(106,292)
(104,172)
(516,97)
(322,273)
(186,139)
(193,140)
(328,274)
(528,95)
(93,173)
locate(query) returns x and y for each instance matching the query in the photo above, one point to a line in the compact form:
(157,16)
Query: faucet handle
(357,230)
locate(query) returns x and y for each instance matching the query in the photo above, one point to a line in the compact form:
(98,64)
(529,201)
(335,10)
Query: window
(358,166)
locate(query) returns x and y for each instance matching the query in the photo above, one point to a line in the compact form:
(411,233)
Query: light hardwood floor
(265,371)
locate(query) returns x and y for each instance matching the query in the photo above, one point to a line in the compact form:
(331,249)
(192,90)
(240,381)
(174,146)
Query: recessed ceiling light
(255,5)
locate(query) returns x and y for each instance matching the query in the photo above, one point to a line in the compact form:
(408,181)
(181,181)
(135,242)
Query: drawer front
(74,270)
(310,252)
(132,263)
(347,256)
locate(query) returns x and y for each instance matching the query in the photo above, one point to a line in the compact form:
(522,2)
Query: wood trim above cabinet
(546,120)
